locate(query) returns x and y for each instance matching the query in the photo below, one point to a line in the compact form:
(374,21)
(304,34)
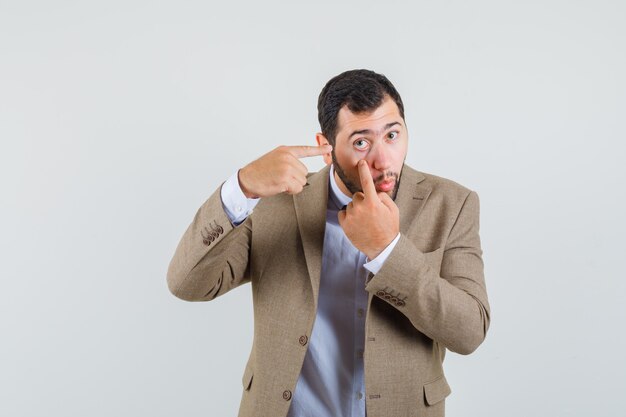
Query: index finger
(367,182)
(306,151)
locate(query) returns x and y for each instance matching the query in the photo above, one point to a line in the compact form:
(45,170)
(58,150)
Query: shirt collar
(335,193)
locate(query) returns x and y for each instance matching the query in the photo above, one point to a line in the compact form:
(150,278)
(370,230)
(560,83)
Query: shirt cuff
(236,205)
(375,264)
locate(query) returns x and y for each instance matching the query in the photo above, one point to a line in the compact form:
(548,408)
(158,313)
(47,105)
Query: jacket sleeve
(212,257)
(442,292)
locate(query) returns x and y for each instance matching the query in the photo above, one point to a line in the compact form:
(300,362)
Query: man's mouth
(385,186)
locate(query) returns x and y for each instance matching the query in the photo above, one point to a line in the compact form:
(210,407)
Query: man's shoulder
(438,184)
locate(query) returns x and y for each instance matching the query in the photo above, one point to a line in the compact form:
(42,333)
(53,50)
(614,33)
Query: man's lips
(386,185)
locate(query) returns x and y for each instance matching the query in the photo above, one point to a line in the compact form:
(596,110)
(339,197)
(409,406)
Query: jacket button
(380,293)
(303,340)
(287,395)
(206,242)
(387,297)
(394,300)
(400,303)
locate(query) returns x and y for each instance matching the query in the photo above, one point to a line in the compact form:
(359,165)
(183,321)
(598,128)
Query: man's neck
(337,188)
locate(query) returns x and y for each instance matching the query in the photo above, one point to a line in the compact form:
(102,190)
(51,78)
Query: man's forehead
(387,112)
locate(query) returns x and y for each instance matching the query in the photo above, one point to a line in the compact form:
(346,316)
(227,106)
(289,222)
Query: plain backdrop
(118,119)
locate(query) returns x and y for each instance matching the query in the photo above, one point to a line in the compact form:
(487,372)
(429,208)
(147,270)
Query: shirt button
(359,395)
(238,208)
(359,353)
(360,312)
(303,340)
(287,395)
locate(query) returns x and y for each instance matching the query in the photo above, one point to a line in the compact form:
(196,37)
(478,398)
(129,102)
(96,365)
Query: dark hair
(361,90)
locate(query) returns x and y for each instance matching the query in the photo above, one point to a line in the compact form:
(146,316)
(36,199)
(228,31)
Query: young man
(363,273)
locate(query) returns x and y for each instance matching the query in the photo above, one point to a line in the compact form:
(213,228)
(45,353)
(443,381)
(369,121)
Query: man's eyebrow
(368,131)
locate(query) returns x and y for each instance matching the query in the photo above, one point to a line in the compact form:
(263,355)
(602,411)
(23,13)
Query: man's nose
(379,158)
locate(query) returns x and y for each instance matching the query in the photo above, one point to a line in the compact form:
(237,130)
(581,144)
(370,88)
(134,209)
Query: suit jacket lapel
(310,206)
(411,197)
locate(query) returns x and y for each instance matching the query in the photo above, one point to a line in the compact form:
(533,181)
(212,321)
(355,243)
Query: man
(363,273)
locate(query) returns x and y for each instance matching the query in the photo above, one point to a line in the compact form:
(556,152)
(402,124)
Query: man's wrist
(243,188)
(236,205)
(374,264)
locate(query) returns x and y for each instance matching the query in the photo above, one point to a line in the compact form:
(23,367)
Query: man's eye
(360,144)
(393,135)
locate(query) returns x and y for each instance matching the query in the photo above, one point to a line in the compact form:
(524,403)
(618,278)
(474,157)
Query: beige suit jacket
(428,296)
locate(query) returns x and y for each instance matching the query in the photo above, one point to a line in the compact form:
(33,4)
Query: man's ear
(321,140)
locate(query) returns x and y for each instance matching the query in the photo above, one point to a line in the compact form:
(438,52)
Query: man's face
(380,138)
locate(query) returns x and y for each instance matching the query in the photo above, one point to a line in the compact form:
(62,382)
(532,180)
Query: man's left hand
(372,220)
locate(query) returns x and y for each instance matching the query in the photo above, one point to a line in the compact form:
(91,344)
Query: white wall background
(119,118)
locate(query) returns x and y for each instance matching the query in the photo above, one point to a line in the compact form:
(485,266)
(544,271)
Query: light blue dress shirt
(331,383)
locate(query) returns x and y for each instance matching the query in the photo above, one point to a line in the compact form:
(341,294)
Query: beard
(354,185)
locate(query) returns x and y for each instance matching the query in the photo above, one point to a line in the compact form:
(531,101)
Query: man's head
(361,114)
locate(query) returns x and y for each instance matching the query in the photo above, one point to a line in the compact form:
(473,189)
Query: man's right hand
(278,171)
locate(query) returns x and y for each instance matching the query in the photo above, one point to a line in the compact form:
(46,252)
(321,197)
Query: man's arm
(447,304)
(451,305)
(212,257)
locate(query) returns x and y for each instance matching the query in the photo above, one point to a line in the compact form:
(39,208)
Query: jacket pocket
(247,377)
(436,390)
